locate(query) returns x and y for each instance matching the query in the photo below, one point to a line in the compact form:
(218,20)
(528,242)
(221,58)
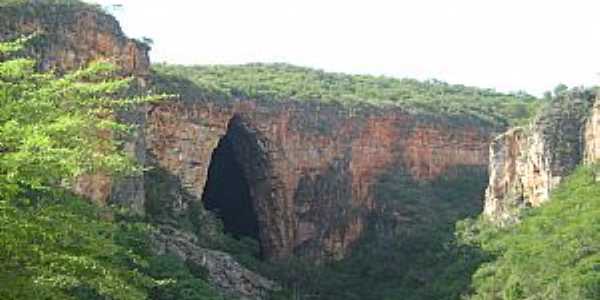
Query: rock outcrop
(224,272)
(527,163)
(72,35)
(591,135)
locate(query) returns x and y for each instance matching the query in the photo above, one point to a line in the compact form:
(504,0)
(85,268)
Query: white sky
(509,45)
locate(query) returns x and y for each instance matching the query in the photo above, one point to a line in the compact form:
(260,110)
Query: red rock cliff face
(311,168)
(73,37)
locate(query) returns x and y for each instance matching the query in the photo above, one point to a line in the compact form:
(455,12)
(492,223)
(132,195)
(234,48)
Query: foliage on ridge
(281,82)
(68,3)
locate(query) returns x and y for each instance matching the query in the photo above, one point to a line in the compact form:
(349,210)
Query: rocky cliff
(310,167)
(527,163)
(591,134)
(71,35)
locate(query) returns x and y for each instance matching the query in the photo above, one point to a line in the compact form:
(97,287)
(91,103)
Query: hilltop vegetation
(280,82)
(54,3)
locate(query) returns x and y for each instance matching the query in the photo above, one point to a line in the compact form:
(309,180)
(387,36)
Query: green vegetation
(52,129)
(67,3)
(281,82)
(54,245)
(177,281)
(553,254)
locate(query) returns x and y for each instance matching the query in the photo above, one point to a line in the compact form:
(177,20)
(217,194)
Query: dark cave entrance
(227,191)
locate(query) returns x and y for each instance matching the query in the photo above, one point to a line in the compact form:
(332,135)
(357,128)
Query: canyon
(310,168)
(302,178)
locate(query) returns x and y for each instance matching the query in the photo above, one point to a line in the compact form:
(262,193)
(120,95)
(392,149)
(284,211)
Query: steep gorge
(303,178)
(310,167)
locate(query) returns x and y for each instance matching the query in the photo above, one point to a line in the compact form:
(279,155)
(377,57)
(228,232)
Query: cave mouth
(227,191)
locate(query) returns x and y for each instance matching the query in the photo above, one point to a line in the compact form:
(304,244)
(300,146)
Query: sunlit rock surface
(527,163)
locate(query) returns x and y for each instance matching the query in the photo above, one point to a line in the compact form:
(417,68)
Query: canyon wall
(311,167)
(527,163)
(591,134)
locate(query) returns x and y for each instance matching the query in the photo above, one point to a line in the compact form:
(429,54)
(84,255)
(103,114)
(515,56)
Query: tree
(560,89)
(53,129)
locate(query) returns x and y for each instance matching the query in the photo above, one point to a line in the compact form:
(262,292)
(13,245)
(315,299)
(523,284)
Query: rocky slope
(526,164)
(224,272)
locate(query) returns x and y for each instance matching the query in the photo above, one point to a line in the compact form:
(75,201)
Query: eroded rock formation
(72,36)
(591,135)
(527,163)
(311,168)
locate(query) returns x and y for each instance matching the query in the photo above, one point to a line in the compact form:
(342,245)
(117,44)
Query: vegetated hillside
(553,254)
(273,82)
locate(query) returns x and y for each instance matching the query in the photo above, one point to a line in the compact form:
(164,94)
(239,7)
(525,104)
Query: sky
(509,45)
